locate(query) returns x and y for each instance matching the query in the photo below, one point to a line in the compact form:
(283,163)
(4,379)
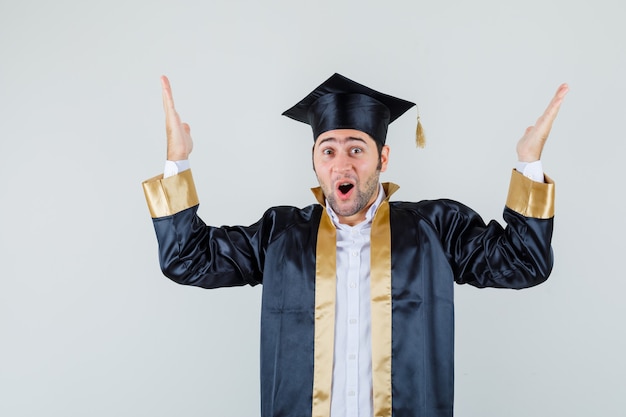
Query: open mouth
(345,188)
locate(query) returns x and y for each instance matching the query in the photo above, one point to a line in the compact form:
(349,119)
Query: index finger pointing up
(168,99)
(555,103)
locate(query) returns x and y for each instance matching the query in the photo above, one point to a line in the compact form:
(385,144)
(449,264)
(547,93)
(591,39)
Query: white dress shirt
(351,394)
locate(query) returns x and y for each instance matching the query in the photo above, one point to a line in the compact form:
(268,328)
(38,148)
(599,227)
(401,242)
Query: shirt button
(352,357)
(352,321)
(355,253)
(351,393)
(353,285)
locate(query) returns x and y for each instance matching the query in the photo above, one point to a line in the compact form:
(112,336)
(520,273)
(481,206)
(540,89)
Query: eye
(356,150)
(327,151)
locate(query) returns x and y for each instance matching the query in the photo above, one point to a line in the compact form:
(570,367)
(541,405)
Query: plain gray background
(90,327)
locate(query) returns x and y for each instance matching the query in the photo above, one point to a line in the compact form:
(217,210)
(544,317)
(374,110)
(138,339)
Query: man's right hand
(179,143)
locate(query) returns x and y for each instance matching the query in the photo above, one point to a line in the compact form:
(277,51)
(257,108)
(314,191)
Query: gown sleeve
(516,256)
(192,253)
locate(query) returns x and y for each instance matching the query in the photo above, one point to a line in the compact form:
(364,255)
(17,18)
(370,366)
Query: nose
(342,163)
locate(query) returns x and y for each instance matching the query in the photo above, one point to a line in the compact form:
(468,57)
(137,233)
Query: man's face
(348,167)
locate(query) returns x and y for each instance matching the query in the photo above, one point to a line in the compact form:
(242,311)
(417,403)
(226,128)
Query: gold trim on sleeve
(167,196)
(531,198)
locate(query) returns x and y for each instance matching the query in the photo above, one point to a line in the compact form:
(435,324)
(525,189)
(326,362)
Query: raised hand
(179,143)
(531,145)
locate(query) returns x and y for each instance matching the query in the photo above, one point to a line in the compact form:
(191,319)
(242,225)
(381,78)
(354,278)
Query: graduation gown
(418,251)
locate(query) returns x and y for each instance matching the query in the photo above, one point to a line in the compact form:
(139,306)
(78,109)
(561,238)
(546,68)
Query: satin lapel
(380,290)
(325,290)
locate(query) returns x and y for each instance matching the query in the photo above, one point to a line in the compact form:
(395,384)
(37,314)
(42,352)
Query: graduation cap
(340,103)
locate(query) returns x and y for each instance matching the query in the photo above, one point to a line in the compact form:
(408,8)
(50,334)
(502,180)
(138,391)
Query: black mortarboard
(340,103)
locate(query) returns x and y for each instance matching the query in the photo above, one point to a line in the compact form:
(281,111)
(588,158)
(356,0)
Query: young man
(357,309)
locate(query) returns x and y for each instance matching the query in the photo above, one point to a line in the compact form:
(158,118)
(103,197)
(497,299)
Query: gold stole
(380,293)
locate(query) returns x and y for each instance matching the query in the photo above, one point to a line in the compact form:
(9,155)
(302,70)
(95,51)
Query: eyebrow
(348,139)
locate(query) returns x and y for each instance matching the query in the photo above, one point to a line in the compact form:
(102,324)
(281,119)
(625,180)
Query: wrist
(173,156)
(528,158)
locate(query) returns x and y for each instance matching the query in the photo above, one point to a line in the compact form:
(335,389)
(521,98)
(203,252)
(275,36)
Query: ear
(384,158)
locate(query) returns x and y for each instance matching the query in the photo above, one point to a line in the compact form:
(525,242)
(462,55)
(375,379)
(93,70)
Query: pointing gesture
(179,143)
(531,144)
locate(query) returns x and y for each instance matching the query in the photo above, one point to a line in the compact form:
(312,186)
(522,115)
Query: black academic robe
(433,245)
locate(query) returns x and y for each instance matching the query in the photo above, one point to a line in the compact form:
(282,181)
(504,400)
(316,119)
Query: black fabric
(434,244)
(340,103)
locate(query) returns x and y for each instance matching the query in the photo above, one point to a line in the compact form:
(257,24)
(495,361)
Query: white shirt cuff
(532,170)
(175,167)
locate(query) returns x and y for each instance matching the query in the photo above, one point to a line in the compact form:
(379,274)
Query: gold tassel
(420,139)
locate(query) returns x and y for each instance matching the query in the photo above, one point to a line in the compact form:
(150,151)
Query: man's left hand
(531,145)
